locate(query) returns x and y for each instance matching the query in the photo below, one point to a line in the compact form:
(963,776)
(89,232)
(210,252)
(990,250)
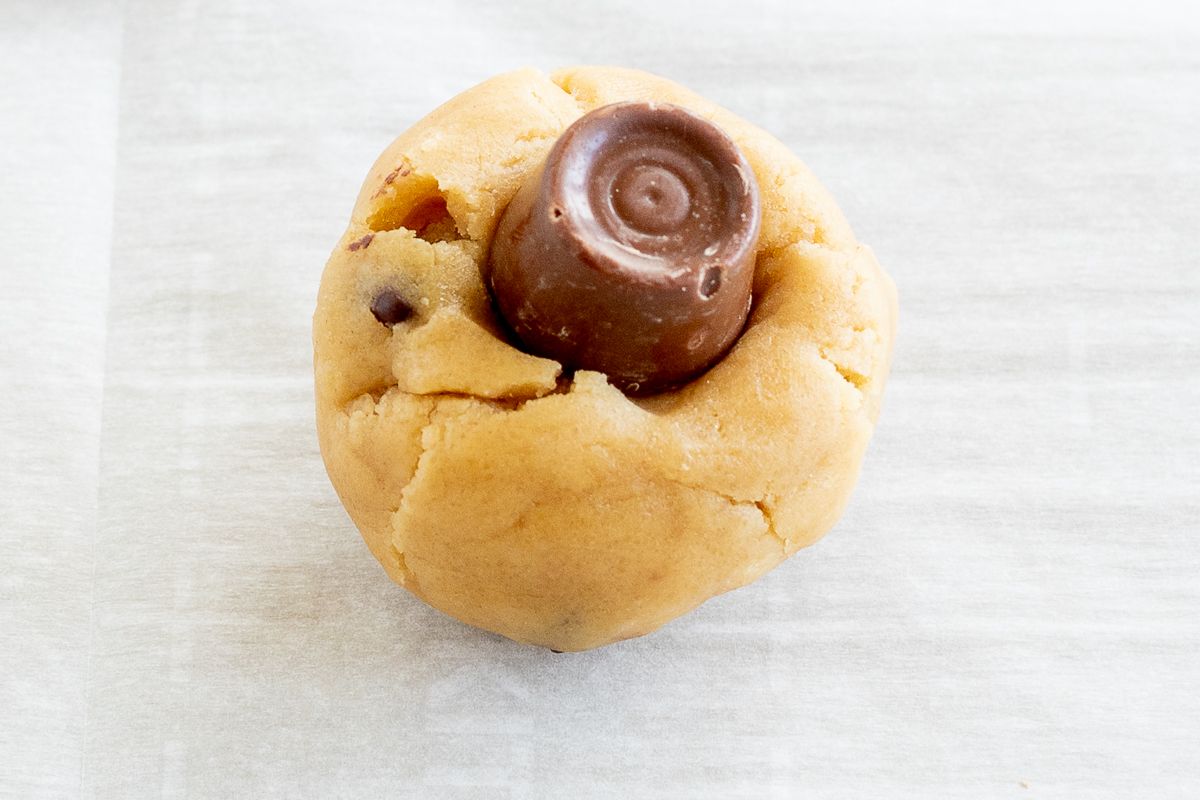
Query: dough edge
(633,512)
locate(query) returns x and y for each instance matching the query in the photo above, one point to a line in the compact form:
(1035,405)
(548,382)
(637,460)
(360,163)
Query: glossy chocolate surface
(631,251)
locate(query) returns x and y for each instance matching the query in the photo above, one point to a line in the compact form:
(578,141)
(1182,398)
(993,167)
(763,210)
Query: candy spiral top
(631,251)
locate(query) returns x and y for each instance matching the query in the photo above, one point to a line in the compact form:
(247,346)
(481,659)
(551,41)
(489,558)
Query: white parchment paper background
(1008,609)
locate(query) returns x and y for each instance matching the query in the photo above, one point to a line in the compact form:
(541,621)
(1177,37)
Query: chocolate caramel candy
(631,250)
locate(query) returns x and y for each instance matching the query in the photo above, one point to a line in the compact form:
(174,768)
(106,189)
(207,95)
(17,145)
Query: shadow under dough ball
(591,351)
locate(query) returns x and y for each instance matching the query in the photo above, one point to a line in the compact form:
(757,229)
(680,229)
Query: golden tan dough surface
(563,513)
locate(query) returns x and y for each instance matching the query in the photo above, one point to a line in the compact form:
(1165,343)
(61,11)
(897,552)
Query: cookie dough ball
(556,509)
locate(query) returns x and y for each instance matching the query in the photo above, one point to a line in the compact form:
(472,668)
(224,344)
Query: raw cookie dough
(562,512)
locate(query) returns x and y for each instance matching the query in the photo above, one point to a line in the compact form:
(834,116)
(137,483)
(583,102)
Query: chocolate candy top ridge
(631,251)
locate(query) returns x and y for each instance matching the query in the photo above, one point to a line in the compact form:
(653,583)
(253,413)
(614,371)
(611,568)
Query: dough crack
(769,518)
(376,395)
(408,577)
(422,459)
(856,379)
(513,402)
(760,505)
(559,81)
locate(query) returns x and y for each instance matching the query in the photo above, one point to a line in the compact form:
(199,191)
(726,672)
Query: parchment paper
(1009,608)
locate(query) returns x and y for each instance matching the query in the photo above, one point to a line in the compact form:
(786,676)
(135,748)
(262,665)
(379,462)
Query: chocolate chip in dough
(390,308)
